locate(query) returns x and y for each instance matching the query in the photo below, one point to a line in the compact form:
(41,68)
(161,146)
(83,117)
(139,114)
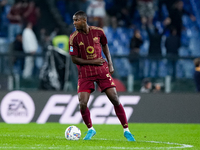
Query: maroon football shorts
(104,81)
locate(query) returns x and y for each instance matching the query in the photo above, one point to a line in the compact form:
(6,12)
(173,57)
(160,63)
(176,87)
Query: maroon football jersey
(88,46)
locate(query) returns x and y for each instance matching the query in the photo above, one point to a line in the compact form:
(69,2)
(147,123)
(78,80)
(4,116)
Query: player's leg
(85,87)
(119,110)
(85,112)
(83,100)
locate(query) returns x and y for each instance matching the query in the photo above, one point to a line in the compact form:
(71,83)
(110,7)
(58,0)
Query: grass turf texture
(148,136)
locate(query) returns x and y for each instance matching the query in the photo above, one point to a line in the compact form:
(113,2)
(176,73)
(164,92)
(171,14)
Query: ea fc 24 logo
(17,107)
(102,111)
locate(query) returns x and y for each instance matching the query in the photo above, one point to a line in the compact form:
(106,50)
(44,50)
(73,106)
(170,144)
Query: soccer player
(85,47)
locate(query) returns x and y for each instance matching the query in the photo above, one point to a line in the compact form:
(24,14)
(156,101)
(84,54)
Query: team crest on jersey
(95,39)
(90,49)
(90,53)
(71,49)
(81,43)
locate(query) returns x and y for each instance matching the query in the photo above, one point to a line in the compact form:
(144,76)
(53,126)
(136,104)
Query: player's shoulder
(96,28)
(72,36)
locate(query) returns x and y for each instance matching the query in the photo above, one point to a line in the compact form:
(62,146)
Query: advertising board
(43,106)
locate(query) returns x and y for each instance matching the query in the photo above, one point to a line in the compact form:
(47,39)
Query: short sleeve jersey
(88,46)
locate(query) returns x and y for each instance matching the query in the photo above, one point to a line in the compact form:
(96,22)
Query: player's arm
(80,61)
(108,57)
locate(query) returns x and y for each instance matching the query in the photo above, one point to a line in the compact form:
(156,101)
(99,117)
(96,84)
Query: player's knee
(82,104)
(83,100)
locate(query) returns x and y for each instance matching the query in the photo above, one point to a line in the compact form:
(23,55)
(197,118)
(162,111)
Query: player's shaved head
(81,14)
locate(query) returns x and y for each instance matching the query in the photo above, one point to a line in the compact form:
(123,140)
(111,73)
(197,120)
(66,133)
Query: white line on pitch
(102,147)
(157,142)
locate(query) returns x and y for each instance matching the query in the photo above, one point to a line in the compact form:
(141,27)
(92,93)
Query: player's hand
(99,61)
(111,69)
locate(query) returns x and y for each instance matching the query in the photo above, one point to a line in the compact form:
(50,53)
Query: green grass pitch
(148,136)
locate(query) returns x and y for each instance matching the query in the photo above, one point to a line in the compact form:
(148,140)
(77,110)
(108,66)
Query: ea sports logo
(17,107)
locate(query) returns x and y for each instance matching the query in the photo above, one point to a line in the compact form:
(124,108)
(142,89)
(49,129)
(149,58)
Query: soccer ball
(72,133)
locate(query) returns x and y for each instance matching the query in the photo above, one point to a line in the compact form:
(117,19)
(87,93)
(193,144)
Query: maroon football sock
(119,110)
(86,117)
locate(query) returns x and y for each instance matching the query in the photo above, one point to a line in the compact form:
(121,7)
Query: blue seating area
(119,40)
(195,7)
(4,21)
(61,5)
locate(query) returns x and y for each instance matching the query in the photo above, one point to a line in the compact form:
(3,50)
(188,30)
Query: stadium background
(177,94)
(55,15)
